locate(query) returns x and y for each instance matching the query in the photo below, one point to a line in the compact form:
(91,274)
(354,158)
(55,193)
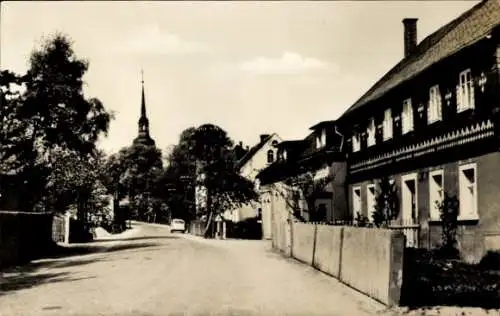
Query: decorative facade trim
(455,138)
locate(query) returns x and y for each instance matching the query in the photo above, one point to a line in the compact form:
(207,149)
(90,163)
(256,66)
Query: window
(371,132)
(370,201)
(407,116)
(321,140)
(283,154)
(356,202)
(356,143)
(467,182)
(387,126)
(434,112)
(465,91)
(436,180)
(409,201)
(270,156)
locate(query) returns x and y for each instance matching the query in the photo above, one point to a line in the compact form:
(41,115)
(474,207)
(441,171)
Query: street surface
(148,271)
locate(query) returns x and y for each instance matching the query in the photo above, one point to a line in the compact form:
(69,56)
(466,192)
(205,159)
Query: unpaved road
(152,272)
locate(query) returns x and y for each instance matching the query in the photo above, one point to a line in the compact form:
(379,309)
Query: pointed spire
(143,124)
(143,99)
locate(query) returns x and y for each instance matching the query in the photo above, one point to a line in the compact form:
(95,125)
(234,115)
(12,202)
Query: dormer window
(434,109)
(371,132)
(465,91)
(321,140)
(270,156)
(387,126)
(407,116)
(356,142)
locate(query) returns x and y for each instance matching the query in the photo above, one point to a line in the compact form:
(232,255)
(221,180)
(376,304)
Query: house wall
(475,237)
(250,171)
(339,198)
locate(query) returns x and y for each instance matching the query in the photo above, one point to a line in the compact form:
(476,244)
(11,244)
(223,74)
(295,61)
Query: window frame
(474,215)
(432,202)
(387,125)
(360,210)
(270,151)
(468,87)
(368,187)
(435,105)
(356,142)
(407,119)
(371,131)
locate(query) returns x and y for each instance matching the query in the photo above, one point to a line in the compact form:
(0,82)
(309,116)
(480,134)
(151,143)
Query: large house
(432,125)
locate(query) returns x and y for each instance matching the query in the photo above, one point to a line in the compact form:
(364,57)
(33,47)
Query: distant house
(320,156)
(257,158)
(432,124)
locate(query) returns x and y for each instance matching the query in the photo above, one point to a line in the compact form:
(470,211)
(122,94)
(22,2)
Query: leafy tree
(15,147)
(205,150)
(136,172)
(386,203)
(49,116)
(73,179)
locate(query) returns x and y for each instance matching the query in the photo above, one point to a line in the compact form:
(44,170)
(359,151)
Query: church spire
(143,99)
(143,123)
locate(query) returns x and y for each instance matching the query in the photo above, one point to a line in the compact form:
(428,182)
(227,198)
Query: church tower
(143,136)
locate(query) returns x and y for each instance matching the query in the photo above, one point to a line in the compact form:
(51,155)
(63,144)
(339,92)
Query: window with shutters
(436,182)
(356,142)
(467,182)
(321,140)
(371,132)
(465,91)
(356,202)
(434,109)
(407,116)
(387,126)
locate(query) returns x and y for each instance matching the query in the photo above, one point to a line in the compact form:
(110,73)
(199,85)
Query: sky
(249,67)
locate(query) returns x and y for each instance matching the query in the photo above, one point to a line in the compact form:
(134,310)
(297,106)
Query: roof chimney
(263,137)
(410,35)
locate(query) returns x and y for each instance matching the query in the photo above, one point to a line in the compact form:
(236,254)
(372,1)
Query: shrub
(448,209)
(361,220)
(430,281)
(386,203)
(491,261)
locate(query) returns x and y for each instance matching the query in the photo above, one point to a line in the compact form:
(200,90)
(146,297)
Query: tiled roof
(467,29)
(322,124)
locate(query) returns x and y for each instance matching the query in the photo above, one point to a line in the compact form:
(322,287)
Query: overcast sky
(249,67)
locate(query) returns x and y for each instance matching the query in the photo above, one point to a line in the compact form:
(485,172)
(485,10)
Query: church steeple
(143,99)
(143,124)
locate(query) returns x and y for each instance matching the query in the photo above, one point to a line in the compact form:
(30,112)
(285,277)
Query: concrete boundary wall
(367,259)
(303,239)
(327,255)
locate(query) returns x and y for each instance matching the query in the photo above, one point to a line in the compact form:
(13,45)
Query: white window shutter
(439,106)
(471,93)
(459,97)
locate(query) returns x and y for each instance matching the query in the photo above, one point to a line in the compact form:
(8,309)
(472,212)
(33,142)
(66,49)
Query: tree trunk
(209,225)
